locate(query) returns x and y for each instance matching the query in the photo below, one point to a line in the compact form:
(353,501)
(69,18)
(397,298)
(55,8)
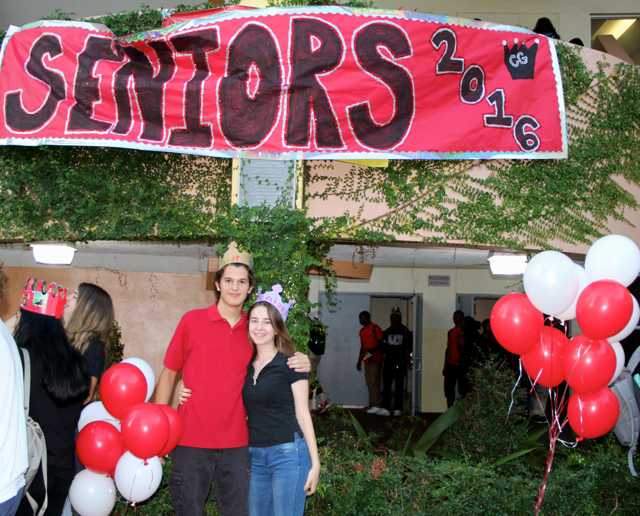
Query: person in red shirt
(212,350)
(453,354)
(371,355)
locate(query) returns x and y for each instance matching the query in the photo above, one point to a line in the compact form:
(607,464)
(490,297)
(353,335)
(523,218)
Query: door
(343,384)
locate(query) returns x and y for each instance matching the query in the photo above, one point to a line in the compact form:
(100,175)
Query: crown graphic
(273,298)
(520,60)
(234,255)
(42,298)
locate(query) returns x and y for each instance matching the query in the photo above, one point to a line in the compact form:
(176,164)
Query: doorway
(343,384)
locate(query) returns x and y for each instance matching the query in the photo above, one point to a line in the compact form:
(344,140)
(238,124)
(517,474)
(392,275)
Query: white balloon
(620,359)
(137,479)
(92,494)
(551,282)
(146,371)
(583,281)
(614,257)
(631,325)
(95,411)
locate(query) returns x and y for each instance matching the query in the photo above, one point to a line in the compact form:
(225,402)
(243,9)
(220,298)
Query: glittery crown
(273,298)
(42,298)
(234,255)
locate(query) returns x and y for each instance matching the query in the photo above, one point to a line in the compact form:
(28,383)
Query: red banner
(313,83)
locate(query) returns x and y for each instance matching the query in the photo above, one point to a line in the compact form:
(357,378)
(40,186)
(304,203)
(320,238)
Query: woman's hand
(312,481)
(183,393)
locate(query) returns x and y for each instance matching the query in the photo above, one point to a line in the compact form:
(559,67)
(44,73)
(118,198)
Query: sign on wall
(312,83)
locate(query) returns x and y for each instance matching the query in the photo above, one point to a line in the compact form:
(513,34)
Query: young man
(371,355)
(212,350)
(397,344)
(13,432)
(451,369)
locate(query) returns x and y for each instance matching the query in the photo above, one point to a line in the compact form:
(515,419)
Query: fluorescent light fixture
(53,254)
(503,264)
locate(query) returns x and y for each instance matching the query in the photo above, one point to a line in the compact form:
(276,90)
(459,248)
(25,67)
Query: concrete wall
(438,306)
(148,306)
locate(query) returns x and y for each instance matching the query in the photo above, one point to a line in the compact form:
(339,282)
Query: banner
(290,83)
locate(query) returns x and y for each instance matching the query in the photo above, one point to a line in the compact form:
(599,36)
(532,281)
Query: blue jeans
(10,506)
(278,475)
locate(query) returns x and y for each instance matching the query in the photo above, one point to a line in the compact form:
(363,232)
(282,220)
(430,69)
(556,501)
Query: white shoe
(397,412)
(383,412)
(373,410)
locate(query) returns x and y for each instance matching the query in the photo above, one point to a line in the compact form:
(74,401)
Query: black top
(269,403)
(397,343)
(58,421)
(94,357)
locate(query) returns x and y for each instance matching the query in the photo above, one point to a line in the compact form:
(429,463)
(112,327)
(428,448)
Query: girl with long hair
(285,466)
(59,384)
(89,326)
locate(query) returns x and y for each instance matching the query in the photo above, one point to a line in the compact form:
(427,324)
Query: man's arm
(299,362)
(165,386)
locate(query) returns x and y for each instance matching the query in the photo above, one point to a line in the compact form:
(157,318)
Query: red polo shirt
(213,358)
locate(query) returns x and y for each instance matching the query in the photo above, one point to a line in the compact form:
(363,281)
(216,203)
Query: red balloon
(99,447)
(603,309)
(121,387)
(145,430)
(593,414)
(545,362)
(516,323)
(175,429)
(589,364)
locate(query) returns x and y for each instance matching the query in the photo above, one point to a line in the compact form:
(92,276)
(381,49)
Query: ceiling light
(503,264)
(53,254)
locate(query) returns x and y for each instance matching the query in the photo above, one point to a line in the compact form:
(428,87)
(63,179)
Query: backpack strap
(634,360)
(43,464)
(27,380)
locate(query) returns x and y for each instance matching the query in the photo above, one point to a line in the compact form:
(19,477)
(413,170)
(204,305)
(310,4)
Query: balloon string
(515,386)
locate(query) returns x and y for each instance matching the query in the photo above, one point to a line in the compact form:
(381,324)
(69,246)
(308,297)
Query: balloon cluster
(122,438)
(606,312)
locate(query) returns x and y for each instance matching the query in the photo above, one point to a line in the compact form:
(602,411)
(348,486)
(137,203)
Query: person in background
(59,385)
(89,325)
(397,344)
(453,355)
(13,435)
(473,355)
(371,355)
(545,27)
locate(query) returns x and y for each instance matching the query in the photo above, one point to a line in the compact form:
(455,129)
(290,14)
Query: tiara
(42,298)
(273,298)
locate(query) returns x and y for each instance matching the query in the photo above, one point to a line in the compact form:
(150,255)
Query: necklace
(258,366)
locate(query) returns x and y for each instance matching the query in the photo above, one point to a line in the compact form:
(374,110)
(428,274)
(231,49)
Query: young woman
(88,327)
(59,385)
(285,466)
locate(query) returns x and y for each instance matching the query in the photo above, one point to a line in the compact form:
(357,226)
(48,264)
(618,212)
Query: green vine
(518,203)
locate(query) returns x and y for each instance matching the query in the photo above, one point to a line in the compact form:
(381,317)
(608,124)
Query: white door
(342,383)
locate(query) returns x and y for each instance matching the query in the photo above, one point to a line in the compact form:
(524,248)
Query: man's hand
(359,366)
(300,363)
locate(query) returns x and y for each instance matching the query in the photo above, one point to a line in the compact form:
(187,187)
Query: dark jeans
(451,378)
(10,506)
(195,468)
(393,374)
(58,484)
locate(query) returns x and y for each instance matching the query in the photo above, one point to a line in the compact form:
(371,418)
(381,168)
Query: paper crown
(234,255)
(273,298)
(42,298)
